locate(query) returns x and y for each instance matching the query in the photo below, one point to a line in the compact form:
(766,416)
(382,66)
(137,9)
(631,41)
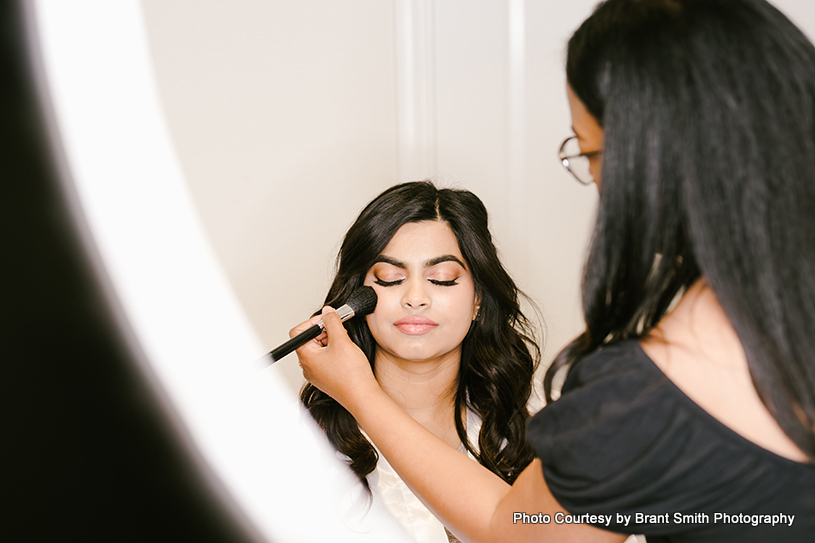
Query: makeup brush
(361,302)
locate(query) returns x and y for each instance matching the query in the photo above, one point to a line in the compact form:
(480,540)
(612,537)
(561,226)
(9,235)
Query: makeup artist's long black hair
(708,112)
(499,354)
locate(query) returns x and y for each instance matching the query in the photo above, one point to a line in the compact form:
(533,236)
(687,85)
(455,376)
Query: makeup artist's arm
(472,501)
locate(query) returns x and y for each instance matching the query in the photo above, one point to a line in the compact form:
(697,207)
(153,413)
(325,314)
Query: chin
(414,355)
(419,353)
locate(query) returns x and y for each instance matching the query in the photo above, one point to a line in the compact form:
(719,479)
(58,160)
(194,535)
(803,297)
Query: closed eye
(382,283)
(443,283)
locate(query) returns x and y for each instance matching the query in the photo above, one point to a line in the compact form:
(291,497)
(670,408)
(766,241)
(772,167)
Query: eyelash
(382,283)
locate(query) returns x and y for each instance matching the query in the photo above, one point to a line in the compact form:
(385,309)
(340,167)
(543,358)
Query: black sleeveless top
(623,440)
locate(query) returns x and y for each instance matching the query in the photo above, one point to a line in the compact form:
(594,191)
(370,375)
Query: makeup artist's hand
(335,364)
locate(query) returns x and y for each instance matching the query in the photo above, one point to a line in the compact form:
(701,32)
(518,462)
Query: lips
(415,326)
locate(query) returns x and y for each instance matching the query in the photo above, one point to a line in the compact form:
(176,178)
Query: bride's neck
(425,389)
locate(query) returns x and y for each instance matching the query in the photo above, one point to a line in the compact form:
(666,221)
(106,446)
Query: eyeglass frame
(564,159)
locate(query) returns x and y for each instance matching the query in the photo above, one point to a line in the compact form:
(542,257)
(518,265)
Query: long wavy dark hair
(498,356)
(708,112)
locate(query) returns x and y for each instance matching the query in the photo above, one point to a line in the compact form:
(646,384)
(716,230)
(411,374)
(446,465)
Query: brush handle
(345,312)
(295,342)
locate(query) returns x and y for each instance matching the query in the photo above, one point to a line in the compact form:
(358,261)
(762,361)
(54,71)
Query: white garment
(388,488)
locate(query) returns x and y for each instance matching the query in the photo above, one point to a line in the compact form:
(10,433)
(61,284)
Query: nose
(415,294)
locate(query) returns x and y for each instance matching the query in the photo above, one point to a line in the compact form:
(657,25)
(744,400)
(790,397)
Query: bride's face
(426,295)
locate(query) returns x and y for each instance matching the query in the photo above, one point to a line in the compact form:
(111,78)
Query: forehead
(584,124)
(421,241)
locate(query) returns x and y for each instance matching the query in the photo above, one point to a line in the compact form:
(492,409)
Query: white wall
(289,116)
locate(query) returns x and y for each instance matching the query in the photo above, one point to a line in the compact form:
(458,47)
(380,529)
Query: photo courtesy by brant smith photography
(639,519)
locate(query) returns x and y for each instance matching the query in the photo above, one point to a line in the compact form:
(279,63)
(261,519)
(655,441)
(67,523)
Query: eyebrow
(429,264)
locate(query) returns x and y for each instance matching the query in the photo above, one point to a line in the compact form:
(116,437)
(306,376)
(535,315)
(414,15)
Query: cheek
(594,169)
(459,307)
(375,325)
(383,315)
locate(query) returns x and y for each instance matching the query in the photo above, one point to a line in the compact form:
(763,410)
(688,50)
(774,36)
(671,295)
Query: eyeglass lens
(575,162)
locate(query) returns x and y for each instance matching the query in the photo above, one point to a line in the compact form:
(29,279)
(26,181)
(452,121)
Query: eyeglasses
(577,162)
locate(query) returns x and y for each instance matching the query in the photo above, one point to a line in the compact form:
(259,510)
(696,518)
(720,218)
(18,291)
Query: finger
(333,324)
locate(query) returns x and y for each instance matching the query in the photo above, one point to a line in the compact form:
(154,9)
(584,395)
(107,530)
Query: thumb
(333,324)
